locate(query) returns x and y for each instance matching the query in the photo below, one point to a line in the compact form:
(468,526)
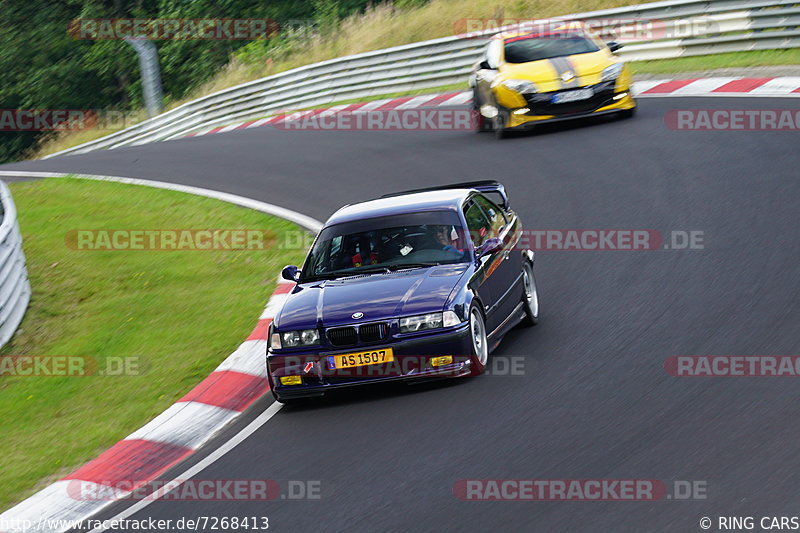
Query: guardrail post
(151,74)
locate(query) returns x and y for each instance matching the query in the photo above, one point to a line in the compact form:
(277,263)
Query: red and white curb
(174,434)
(788,86)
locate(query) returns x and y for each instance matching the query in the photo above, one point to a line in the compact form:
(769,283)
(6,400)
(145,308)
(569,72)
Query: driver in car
(442,235)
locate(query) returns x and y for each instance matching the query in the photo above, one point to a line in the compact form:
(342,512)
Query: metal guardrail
(15,289)
(732,25)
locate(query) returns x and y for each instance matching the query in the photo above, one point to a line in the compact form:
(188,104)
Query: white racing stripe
(202,132)
(641,86)
(369,106)
(417,101)
(247,359)
(50,509)
(187,424)
(230,127)
(263,121)
(704,86)
(461,98)
(335,109)
(273,306)
(251,428)
(785,85)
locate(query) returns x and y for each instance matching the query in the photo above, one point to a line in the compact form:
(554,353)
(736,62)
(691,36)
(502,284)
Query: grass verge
(179,313)
(756,58)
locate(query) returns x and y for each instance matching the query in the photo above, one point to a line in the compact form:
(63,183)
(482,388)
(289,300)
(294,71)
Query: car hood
(546,73)
(378,296)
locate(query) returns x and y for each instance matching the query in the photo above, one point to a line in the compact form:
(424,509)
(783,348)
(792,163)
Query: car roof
(446,199)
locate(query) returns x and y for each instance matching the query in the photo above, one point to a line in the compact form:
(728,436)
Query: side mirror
(484,65)
(614,45)
(290,273)
(489,246)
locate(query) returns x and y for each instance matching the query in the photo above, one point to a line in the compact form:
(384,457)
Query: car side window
(478,225)
(494,213)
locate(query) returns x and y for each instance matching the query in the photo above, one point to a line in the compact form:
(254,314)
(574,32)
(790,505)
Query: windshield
(536,47)
(410,240)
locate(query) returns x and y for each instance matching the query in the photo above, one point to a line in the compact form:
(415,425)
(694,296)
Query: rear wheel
(479,341)
(530,296)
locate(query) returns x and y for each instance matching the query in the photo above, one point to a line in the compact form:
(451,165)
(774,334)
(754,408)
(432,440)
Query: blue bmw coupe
(414,285)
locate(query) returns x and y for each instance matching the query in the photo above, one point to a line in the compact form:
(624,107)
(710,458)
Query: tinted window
(496,216)
(534,48)
(430,237)
(478,225)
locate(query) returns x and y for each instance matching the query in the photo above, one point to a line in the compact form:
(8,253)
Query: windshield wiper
(411,265)
(371,270)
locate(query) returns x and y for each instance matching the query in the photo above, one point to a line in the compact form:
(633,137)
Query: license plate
(369,357)
(572,96)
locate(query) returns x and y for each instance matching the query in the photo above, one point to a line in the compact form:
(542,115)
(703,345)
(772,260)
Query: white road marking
(784,85)
(271,209)
(704,86)
(247,359)
(417,101)
(461,98)
(642,86)
(251,428)
(187,424)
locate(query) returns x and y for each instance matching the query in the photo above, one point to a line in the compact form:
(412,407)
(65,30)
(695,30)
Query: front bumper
(412,361)
(608,97)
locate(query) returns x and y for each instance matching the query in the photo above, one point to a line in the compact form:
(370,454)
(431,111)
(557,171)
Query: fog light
(488,111)
(442,360)
(620,96)
(521,111)
(291,380)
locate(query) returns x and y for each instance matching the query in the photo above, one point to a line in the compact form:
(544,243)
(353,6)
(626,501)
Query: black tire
(481,124)
(479,353)
(530,296)
(499,125)
(628,113)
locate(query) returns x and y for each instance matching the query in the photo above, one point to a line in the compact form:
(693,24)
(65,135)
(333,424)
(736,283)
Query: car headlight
(292,339)
(411,324)
(612,72)
(520,86)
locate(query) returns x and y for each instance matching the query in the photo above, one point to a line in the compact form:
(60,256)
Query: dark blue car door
(498,271)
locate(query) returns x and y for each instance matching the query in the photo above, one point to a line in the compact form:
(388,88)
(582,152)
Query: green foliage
(46,68)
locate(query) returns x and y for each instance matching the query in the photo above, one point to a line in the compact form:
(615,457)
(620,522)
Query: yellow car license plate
(369,357)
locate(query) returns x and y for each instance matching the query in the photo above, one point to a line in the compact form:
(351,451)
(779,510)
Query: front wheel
(628,113)
(480,345)
(530,296)
(499,125)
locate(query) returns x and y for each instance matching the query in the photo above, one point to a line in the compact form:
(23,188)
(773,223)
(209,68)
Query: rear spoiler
(484,186)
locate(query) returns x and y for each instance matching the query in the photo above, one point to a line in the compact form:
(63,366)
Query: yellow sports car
(527,78)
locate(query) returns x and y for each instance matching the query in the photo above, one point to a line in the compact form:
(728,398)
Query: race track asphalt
(594,400)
